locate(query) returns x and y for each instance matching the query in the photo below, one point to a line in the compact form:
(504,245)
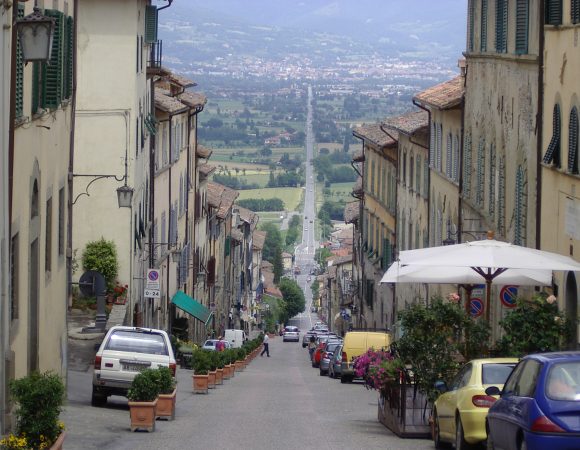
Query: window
(520,208)
(483,42)
(14,276)
(48,238)
(573,141)
(480,173)
(501,22)
(522,18)
(61,213)
(404,170)
(495,373)
(418,175)
(455,170)
(439,146)
(372,181)
(150,24)
(525,384)
(575,11)
(552,155)
(432,145)
(501,197)
(449,157)
(553,12)
(34,200)
(471,18)
(411,172)
(467,166)
(19,70)
(492,180)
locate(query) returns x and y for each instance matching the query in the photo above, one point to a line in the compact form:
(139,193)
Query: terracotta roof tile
(214,194)
(408,123)
(445,95)
(258,239)
(248,216)
(193,99)
(267,265)
(358,156)
(374,134)
(228,198)
(237,235)
(167,103)
(202,152)
(358,186)
(338,260)
(205,169)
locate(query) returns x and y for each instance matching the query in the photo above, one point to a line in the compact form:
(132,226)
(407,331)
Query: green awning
(191,306)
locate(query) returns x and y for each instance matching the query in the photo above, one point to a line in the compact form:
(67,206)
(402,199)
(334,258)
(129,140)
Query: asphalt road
(279,402)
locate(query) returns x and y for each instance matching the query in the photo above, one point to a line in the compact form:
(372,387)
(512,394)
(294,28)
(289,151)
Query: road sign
(152,293)
(508,296)
(152,281)
(475,307)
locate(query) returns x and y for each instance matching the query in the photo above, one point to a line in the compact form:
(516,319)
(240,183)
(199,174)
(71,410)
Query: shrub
(165,380)
(101,256)
(145,386)
(534,326)
(39,397)
(200,362)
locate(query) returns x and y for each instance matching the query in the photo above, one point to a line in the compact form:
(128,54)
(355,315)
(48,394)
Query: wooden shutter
(19,94)
(466,190)
(501,22)
(483,33)
(471,19)
(519,207)
(150,24)
(479,193)
(210,280)
(573,142)
(432,145)
(36,86)
(552,155)
(522,18)
(52,73)
(553,12)
(449,157)
(228,245)
(575,11)
(69,57)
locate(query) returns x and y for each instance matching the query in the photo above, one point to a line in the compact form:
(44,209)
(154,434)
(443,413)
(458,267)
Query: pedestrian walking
(311,346)
(220,345)
(266,346)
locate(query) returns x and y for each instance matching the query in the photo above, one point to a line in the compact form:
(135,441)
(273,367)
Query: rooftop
(258,239)
(193,99)
(445,95)
(168,104)
(408,123)
(374,134)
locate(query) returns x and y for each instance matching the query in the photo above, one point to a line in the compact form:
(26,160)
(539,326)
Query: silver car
(291,334)
(335,367)
(327,356)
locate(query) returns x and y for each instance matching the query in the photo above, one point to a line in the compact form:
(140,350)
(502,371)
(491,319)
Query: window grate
(552,155)
(573,142)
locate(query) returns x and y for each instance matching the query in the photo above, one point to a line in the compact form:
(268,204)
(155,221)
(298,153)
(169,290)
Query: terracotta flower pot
(233,368)
(143,415)
(211,379)
(219,376)
(239,366)
(166,405)
(57,445)
(200,384)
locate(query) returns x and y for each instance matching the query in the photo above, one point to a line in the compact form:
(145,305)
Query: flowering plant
(377,368)
(119,290)
(453,297)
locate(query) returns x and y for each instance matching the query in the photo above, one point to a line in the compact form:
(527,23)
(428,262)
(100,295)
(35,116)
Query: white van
(235,337)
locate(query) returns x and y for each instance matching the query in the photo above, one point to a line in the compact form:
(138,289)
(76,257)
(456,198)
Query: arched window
(552,155)
(573,138)
(34,200)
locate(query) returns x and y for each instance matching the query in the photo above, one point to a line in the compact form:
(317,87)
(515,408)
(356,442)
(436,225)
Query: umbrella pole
(487,299)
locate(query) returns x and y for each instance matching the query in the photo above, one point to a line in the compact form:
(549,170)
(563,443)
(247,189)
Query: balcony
(155,58)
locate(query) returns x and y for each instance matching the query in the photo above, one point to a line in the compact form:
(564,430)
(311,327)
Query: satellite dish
(92,283)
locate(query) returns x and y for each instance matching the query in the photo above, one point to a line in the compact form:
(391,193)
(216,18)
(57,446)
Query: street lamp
(125,196)
(35,33)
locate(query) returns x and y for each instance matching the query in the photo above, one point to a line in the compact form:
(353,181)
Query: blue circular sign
(475,307)
(508,296)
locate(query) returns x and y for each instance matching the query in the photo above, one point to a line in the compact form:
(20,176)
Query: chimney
(462,64)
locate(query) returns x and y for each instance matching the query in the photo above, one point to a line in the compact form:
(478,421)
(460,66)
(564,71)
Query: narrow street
(276,403)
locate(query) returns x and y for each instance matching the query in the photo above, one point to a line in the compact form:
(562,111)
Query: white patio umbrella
(399,273)
(488,258)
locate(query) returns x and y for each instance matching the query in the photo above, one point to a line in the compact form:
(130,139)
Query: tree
(293,297)
(272,251)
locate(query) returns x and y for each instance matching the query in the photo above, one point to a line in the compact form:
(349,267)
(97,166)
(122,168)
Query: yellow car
(459,413)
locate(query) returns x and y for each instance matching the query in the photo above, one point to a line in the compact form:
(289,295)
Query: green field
(341,191)
(290,196)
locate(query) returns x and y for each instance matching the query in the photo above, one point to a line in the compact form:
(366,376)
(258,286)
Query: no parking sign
(476,307)
(508,296)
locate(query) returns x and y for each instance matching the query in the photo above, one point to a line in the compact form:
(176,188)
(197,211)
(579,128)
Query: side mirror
(492,390)
(441,386)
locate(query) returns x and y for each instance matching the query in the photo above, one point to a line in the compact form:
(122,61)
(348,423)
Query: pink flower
(551,299)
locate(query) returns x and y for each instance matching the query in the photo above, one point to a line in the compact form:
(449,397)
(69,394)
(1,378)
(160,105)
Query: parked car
(539,407)
(355,344)
(124,352)
(321,347)
(306,337)
(291,334)
(327,355)
(335,363)
(211,343)
(459,413)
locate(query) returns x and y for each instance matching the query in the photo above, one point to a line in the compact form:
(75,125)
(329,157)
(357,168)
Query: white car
(291,334)
(210,344)
(124,352)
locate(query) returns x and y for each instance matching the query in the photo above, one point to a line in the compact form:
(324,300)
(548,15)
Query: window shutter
(439,146)
(471,25)
(19,71)
(418,174)
(552,155)
(36,86)
(501,197)
(467,166)
(553,12)
(455,170)
(69,56)
(479,193)
(519,207)
(491,203)
(573,142)
(52,72)
(483,42)
(150,24)
(449,157)
(228,245)
(432,145)
(575,11)
(522,17)
(501,20)
(210,279)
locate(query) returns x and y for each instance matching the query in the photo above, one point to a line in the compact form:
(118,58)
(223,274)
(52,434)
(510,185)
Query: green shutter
(575,11)
(553,12)
(69,58)
(52,73)
(501,21)
(36,87)
(150,24)
(228,245)
(471,25)
(19,94)
(522,18)
(483,41)
(573,142)
(519,207)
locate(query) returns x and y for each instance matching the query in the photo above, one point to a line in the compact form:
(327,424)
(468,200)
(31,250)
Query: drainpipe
(539,121)
(152,158)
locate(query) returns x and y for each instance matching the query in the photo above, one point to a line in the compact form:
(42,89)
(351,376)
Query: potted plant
(142,398)
(221,361)
(240,356)
(37,427)
(167,394)
(200,364)
(230,358)
(212,360)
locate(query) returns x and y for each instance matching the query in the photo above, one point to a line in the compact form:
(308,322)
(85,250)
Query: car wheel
(321,372)
(437,434)
(98,399)
(460,442)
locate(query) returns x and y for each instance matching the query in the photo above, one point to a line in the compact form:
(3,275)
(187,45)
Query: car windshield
(291,329)
(496,373)
(563,382)
(209,343)
(137,342)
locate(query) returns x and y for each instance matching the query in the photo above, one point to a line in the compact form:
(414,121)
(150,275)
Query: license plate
(133,367)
